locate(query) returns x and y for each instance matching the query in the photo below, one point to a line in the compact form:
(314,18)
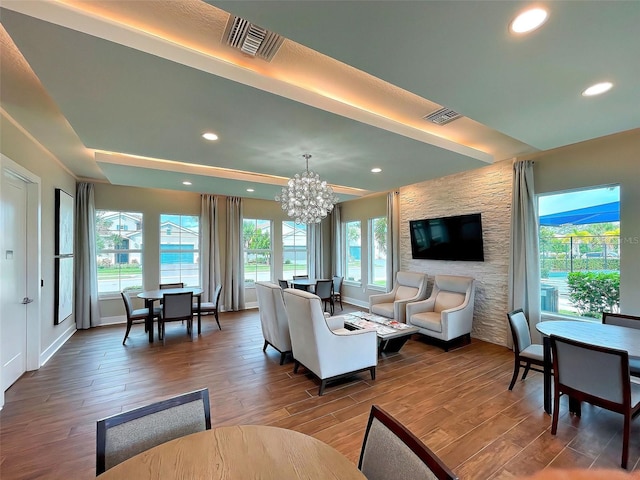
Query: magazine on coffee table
(381,320)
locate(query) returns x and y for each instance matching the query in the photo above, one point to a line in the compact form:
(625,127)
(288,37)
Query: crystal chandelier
(306,198)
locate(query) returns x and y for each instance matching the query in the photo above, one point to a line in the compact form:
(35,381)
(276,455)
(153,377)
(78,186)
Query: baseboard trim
(114,320)
(46,355)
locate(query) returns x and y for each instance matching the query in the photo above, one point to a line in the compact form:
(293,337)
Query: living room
(607,160)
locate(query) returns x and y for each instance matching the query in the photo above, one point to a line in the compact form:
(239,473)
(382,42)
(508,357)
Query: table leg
(149,305)
(199,313)
(546,342)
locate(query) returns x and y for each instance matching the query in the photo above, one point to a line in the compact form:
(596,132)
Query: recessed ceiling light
(597,89)
(210,136)
(186,182)
(376,170)
(250,190)
(529,20)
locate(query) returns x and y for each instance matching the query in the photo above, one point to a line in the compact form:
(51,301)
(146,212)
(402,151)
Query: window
(294,250)
(119,251)
(579,238)
(378,252)
(352,252)
(179,249)
(256,239)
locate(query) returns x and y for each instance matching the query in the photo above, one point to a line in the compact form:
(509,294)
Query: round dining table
(150,296)
(238,452)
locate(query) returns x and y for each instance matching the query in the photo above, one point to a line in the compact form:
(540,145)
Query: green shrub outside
(594,292)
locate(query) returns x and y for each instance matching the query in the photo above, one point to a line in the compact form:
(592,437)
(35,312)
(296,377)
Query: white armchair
(448,313)
(408,287)
(330,353)
(273,318)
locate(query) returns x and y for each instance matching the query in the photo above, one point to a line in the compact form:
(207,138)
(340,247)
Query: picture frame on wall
(64,244)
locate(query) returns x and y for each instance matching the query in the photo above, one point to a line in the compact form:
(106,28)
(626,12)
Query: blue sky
(563,202)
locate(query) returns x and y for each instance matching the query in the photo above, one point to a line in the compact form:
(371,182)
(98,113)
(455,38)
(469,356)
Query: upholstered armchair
(273,318)
(330,352)
(408,287)
(448,313)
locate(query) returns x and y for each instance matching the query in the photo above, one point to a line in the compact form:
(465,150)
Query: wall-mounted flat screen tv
(448,238)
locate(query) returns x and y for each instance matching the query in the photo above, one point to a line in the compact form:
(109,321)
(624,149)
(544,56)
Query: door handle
(26,300)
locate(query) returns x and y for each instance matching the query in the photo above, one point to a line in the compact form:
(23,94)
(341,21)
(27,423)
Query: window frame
(372,249)
(346,251)
(288,274)
(257,251)
(114,253)
(180,251)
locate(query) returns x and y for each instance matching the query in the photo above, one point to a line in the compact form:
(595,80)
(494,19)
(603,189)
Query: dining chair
(177,306)
(597,375)
(164,286)
(210,307)
(390,451)
(337,290)
(527,355)
(306,288)
(629,321)
(283,284)
(126,434)
(134,315)
(324,289)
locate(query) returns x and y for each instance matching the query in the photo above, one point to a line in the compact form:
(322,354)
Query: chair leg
(264,348)
(340,298)
(127,332)
(516,370)
(526,370)
(217,320)
(331,306)
(372,370)
(283,355)
(556,408)
(296,366)
(625,440)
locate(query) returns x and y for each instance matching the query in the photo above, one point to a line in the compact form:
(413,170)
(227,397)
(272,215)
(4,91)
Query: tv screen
(448,238)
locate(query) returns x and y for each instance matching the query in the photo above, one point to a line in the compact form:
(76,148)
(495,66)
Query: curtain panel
(393,237)
(524,273)
(209,246)
(336,241)
(234,266)
(86,270)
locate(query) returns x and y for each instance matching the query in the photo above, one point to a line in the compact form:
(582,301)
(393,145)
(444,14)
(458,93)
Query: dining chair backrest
(128,307)
(519,330)
(177,306)
(621,320)
(283,284)
(324,289)
(337,284)
(126,434)
(390,451)
(164,286)
(607,375)
(300,277)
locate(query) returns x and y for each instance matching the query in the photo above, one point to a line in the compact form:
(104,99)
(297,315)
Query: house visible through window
(352,252)
(257,250)
(119,251)
(179,249)
(294,249)
(579,239)
(378,252)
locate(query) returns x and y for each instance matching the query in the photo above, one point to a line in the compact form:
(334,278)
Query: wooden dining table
(238,453)
(599,334)
(150,296)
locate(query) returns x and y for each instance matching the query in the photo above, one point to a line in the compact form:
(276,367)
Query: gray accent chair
(629,321)
(323,346)
(126,434)
(273,318)
(526,353)
(448,313)
(408,287)
(597,375)
(390,452)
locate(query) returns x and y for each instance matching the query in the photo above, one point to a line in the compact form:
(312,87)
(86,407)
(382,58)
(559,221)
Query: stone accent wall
(486,190)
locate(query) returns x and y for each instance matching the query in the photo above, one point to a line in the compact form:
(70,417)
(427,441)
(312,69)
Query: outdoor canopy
(606,212)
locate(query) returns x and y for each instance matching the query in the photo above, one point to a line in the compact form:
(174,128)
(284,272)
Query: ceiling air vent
(252,39)
(442,116)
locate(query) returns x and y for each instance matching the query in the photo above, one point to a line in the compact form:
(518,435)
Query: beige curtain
(336,241)
(315,256)
(393,237)
(234,266)
(86,271)
(209,246)
(524,273)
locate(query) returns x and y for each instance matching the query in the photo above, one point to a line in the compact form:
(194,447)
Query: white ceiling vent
(442,116)
(251,39)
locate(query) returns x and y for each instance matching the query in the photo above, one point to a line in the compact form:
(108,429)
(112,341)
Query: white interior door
(13,286)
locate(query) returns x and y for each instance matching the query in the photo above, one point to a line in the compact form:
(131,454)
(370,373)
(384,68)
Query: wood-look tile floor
(457,402)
